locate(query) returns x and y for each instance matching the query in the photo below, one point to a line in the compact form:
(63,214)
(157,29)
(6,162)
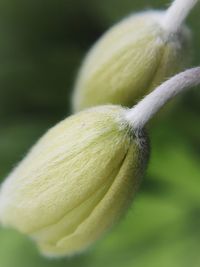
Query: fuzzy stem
(176,14)
(140,114)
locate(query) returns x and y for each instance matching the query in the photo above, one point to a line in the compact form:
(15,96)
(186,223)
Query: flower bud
(129,60)
(76,182)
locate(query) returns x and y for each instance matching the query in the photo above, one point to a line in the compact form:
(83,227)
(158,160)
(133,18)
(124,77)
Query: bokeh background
(42,44)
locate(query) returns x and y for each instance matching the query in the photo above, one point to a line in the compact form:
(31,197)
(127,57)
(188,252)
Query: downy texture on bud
(130,60)
(76,181)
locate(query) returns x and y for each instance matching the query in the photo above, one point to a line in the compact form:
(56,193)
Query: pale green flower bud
(131,59)
(79,179)
(76,181)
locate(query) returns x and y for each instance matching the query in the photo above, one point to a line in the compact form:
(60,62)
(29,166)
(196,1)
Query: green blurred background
(42,44)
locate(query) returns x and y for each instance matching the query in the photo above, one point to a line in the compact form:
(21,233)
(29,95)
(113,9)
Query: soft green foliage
(41,46)
(129,60)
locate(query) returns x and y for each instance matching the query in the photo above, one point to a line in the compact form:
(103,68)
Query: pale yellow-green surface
(75,182)
(129,60)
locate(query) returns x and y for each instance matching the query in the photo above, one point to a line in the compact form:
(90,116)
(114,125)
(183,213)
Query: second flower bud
(130,60)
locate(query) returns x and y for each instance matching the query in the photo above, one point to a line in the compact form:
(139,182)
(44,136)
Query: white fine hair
(140,114)
(176,14)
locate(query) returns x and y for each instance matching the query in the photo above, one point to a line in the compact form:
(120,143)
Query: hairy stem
(140,114)
(176,14)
